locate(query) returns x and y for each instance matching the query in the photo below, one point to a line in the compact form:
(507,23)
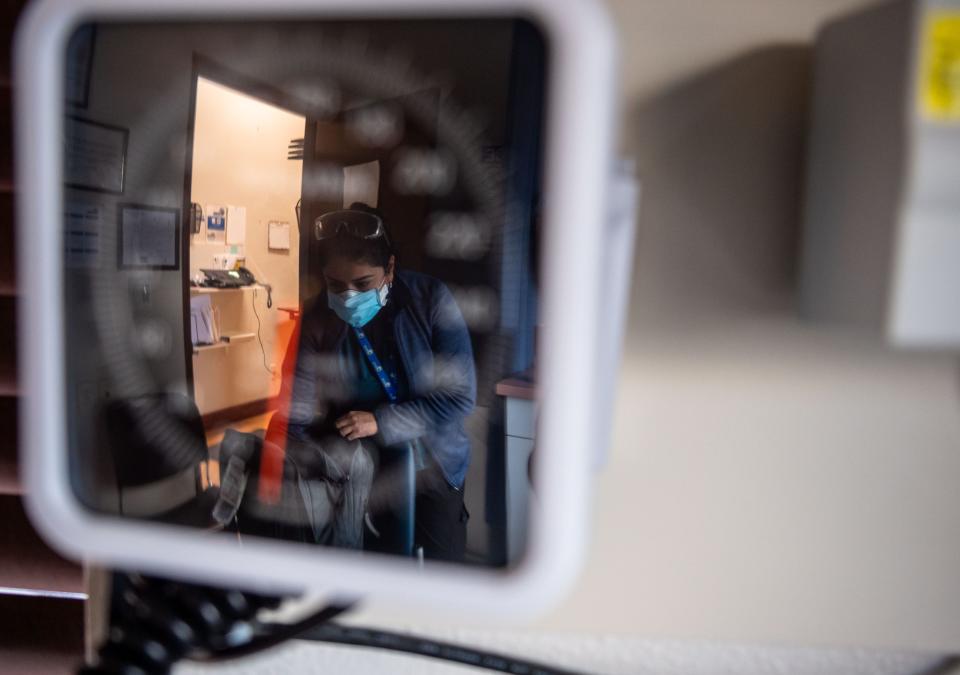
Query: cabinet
(43,597)
(520,426)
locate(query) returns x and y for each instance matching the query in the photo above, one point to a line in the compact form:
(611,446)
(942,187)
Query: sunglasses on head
(359,224)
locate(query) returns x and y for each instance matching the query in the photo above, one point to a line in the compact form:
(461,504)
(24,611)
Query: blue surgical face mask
(358,308)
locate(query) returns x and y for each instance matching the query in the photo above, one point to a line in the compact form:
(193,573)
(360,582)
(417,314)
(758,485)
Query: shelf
(204,290)
(8,381)
(6,139)
(236,338)
(27,565)
(8,281)
(9,477)
(227,341)
(207,348)
(41,635)
(8,347)
(41,594)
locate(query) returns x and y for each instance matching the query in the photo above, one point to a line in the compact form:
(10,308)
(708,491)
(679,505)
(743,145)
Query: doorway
(243,191)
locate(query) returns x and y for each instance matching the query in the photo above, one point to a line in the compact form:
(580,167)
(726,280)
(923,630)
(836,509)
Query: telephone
(246,276)
(228,278)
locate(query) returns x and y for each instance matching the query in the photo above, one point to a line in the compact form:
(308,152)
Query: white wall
(102,336)
(240,158)
(769,480)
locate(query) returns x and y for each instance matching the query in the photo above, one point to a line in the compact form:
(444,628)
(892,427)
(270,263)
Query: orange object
(275,442)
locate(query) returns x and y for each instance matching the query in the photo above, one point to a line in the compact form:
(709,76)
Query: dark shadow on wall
(721,160)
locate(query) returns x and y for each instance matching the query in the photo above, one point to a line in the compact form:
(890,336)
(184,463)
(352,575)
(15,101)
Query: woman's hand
(357,424)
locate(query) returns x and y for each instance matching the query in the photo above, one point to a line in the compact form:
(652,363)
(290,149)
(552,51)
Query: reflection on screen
(301,289)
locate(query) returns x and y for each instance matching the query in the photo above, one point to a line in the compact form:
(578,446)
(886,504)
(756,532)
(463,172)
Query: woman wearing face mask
(384,358)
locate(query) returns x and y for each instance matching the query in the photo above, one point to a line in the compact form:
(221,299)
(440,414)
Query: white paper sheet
(278,236)
(94,155)
(236,225)
(81,236)
(361,183)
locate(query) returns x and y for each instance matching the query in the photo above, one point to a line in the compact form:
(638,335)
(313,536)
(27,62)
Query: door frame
(211,69)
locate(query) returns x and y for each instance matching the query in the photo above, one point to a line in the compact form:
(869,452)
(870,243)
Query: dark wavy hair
(374,252)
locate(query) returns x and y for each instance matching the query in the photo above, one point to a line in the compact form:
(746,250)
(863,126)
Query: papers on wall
(82,224)
(216,224)
(361,183)
(278,236)
(236,225)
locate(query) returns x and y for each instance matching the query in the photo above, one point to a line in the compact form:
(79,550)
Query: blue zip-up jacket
(434,350)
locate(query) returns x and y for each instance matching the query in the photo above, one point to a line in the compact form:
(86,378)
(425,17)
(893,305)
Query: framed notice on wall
(94,155)
(82,223)
(149,237)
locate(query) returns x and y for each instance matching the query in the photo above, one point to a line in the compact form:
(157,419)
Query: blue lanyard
(389,382)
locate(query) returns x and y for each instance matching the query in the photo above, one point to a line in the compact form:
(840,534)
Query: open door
(243,191)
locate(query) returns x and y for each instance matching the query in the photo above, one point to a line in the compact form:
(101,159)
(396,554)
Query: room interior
(766,495)
(262,157)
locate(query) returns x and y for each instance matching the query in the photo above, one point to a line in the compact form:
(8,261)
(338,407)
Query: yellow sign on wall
(940,67)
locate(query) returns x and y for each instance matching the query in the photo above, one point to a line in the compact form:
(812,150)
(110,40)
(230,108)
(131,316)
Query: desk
(293,312)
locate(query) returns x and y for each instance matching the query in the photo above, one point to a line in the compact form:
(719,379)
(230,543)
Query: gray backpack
(336,498)
(326,486)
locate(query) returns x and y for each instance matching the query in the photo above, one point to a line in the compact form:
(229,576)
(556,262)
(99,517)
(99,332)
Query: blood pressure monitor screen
(300,264)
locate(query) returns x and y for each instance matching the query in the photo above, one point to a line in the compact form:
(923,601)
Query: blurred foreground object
(881,231)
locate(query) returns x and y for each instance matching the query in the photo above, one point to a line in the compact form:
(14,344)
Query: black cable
(154,623)
(259,339)
(412,644)
(278,633)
